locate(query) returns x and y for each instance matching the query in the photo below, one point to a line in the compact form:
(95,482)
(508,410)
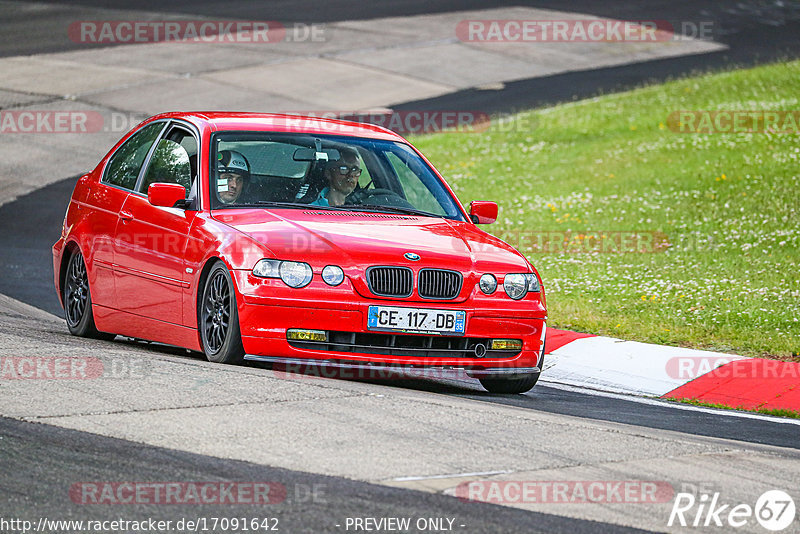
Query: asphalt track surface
(38,460)
(31,224)
(41,462)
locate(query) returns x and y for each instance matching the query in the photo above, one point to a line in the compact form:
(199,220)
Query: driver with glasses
(342,176)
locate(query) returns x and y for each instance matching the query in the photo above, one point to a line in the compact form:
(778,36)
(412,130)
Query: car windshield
(327,172)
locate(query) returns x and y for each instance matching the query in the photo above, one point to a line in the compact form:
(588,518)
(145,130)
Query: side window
(125,164)
(171,161)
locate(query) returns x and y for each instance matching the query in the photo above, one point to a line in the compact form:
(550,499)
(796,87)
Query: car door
(103,204)
(151,240)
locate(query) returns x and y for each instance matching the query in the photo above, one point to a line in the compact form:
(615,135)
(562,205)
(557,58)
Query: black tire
(218,320)
(514,385)
(520,384)
(78,300)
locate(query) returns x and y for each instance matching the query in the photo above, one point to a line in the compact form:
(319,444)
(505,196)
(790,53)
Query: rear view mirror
(309,154)
(165,195)
(483,211)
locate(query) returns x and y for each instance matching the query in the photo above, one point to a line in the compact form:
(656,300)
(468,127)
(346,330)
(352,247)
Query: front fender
(209,241)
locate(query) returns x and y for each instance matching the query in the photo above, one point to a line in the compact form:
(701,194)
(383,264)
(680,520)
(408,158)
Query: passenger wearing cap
(342,176)
(233,173)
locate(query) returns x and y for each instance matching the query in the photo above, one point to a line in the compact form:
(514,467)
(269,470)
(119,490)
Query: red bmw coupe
(293,239)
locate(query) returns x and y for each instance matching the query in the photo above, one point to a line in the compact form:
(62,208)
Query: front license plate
(393,319)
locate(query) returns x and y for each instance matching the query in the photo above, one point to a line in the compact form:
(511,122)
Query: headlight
(267,268)
(488,283)
(516,285)
(293,273)
(333,275)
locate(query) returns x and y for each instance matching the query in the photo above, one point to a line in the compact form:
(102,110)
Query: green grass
(778,412)
(727,204)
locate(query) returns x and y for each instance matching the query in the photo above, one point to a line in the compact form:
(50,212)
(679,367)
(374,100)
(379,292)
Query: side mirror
(483,211)
(166,195)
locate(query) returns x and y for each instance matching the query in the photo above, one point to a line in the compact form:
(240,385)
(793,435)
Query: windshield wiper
(271,204)
(395,209)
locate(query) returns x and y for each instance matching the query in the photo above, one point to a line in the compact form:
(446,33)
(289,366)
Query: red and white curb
(645,369)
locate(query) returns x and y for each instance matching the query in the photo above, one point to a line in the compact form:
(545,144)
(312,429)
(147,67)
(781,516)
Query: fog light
(333,275)
(488,283)
(506,344)
(306,335)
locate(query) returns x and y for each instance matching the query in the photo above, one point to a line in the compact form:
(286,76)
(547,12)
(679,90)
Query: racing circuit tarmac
(371,448)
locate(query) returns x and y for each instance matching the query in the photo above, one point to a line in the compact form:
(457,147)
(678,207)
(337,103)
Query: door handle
(125,216)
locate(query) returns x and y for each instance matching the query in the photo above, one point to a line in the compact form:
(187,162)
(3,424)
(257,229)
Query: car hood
(357,240)
(363,239)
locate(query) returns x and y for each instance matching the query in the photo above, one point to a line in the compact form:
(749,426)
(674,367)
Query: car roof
(275,122)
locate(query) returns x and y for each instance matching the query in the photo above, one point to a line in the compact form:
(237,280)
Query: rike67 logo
(774,510)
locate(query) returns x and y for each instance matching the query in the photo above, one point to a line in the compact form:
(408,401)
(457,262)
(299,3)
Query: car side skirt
(137,326)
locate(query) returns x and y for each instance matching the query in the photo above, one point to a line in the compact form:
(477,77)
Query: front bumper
(57,250)
(265,318)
